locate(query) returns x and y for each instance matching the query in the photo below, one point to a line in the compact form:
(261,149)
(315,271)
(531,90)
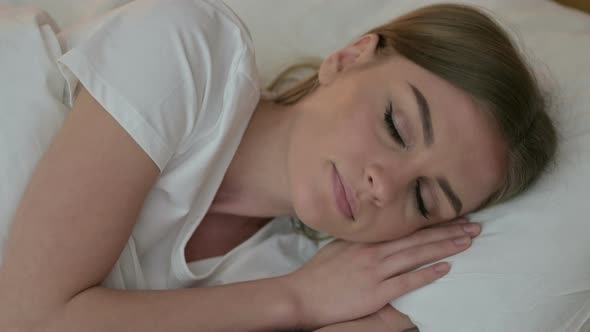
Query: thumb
(394,319)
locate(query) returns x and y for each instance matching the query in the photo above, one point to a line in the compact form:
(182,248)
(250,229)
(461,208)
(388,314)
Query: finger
(459,220)
(415,257)
(407,282)
(428,236)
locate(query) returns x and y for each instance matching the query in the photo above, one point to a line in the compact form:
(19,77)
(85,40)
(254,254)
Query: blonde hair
(467,48)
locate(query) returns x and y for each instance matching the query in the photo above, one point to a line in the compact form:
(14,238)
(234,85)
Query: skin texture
(341,125)
(345,127)
(385,320)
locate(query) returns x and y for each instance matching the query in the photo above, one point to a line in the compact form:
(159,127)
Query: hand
(346,281)
(385,320)
(394,320)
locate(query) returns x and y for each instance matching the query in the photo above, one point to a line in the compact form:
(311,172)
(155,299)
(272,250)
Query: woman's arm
(385,320)
(70,228)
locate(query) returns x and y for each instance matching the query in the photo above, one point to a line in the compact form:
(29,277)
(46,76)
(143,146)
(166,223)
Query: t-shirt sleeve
(150,64)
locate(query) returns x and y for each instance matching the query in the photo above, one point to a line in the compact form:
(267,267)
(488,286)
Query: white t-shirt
(180,77)
(274,250)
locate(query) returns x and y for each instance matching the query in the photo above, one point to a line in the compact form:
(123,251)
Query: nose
(381,184)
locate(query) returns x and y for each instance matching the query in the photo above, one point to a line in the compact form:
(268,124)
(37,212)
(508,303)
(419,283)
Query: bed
(500,284)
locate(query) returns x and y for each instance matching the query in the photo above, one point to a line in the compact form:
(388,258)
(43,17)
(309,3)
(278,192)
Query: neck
(256,182)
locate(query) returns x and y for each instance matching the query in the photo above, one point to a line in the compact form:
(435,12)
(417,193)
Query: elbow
(13,323)
(10,325)
(27,313)
(14,318)
(16,325)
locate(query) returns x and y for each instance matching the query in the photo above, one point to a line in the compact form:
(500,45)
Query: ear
(359,52)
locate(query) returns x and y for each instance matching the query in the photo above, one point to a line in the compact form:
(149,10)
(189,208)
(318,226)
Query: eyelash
(420,201)
(391,126)
(398,138)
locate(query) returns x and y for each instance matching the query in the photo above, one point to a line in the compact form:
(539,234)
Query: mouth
(341,195)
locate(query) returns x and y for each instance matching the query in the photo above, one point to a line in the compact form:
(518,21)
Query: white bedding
(529,269)
(31,109)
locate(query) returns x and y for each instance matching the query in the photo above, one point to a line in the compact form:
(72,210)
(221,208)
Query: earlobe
(361,51)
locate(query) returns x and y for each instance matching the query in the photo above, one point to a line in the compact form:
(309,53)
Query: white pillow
(530,269)
(31,111)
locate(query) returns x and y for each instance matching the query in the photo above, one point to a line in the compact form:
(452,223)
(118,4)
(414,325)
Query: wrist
(299,315)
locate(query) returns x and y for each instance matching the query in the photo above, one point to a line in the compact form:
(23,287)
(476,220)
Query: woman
(169,156)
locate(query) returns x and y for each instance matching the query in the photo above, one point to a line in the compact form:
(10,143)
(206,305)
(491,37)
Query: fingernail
(442,268)
(472,229)
(462,241)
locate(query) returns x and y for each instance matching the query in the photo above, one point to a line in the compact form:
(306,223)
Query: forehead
(467,148)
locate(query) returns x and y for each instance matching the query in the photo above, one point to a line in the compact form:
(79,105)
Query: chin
(311,208)
(307,212)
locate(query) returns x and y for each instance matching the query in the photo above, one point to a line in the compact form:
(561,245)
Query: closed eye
(420,202)
(392,128)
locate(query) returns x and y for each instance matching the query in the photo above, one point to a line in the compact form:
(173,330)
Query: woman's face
(402,147)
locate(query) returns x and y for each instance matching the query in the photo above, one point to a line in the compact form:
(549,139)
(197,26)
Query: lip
(342,195)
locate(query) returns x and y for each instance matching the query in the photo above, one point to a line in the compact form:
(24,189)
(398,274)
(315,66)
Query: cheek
(396,229)
(385,232)
(357,136)
(310,196)
(386,225)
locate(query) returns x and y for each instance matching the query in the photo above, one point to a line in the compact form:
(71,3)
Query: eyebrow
(424,115)
(453,198)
